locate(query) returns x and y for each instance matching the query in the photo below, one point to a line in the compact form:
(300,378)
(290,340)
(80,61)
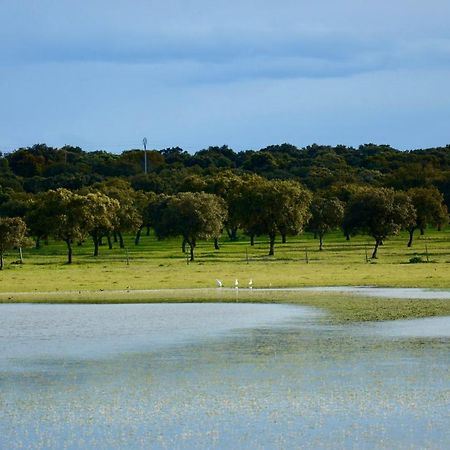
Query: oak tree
(12,235)
(326,215)
(191,215)
(379,212)
(430,210)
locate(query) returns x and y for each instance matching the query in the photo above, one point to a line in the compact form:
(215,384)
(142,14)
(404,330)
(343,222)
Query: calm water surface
(202,376)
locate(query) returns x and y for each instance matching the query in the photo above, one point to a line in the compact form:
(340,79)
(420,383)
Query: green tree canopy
(14,204)
(226,184)
(192,215)
(12,234)
(379,212)
(60,214)
(272,207)
(141,201)
(99,216)
(326,215)
(430,210)
(127,217)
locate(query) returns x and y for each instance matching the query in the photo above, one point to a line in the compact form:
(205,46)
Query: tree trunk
(69,251)
(1,260)
(216,244)
(138,236)
(411,235)
(148,231)
(271,244)
(422,231)
(252,240)
(315,234)
(115,237)
(110,246)
(377,243)
(192,246)
(96,241)
(283,238)
(232,233)
(121,244)
(320,242)
(183,245)
(347,236)
(38,242)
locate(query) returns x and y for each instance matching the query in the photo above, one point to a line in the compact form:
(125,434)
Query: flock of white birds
(236,283)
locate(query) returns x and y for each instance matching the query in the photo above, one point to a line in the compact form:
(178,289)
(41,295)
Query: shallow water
(432,327)
(219,376)
(368,291)
(87,331)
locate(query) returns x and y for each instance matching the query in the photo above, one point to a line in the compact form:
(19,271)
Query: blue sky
(193,73)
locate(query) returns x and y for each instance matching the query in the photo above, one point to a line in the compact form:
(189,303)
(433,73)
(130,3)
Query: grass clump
(416,260)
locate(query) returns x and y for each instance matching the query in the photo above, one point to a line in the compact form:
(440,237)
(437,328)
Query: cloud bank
(98,58)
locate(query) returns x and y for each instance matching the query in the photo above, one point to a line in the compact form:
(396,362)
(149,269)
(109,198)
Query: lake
(225,376)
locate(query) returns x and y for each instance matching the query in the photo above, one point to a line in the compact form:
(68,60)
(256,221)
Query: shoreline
(343,303)
(418,293)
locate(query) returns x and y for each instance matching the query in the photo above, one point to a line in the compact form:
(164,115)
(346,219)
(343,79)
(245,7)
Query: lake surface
(231,376)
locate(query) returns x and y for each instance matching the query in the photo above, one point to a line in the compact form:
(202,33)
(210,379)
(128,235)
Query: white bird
(250,284)
(219,283)
(236,284)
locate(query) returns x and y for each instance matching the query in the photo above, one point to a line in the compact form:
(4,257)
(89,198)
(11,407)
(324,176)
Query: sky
(104,74)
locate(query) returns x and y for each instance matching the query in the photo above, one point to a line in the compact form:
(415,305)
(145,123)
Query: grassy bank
(161,264)
(342,307)
(133,274)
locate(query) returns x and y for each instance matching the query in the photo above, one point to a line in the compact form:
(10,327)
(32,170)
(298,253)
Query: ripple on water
(430,327)
(188,377)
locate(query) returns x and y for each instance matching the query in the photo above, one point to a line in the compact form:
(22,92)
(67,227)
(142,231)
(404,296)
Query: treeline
(40,168)
(208,206)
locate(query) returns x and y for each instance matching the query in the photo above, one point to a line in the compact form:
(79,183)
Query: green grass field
(117,273)
(161,264)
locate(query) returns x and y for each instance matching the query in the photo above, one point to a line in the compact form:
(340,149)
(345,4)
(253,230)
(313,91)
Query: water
(367,291)
(230,376)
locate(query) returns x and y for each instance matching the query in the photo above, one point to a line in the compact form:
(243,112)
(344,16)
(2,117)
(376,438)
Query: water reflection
(284,377)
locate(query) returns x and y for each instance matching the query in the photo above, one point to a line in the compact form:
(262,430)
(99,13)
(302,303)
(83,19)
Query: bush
(416,260)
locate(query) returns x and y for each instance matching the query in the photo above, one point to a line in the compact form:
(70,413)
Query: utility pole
(144,142)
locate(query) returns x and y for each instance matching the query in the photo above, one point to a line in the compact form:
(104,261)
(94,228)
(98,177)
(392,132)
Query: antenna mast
(144,142)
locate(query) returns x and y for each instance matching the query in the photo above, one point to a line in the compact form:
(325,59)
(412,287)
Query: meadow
(157,264)
(158,271)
